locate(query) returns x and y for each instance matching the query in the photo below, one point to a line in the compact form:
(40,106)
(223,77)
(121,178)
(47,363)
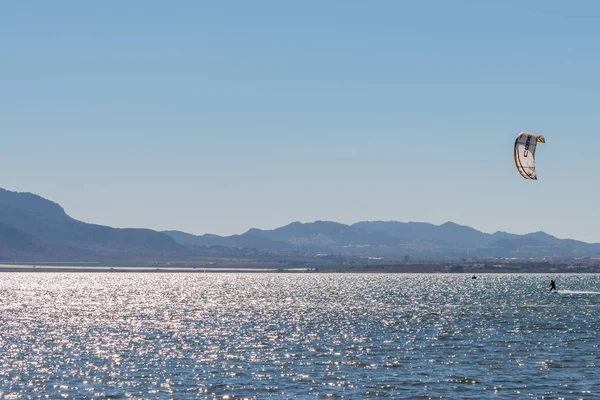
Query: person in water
(552,285)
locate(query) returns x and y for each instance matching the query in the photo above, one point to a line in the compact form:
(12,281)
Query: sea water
(255,336)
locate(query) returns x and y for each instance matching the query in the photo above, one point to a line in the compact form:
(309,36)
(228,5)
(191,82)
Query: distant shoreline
(394,269)
(145,269)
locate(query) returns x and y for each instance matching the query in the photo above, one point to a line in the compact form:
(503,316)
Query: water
(298,336)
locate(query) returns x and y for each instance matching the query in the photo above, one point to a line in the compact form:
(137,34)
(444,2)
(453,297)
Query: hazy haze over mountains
(395,239)
(33,228)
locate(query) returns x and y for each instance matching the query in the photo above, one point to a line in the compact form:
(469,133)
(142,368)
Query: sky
(216,117)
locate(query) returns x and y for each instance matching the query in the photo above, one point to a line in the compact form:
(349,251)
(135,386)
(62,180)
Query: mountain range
(33,228)
(395,239)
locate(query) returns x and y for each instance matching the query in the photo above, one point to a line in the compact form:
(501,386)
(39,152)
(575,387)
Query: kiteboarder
(552,285)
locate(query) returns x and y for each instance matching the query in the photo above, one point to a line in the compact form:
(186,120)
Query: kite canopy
(525,153)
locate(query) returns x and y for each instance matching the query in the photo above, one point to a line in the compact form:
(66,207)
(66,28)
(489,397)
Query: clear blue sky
(221,116)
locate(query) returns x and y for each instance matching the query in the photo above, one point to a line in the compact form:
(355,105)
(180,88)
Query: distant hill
(234,241)
(396,239)
(323,235)
(32,227)
(448,233)
(15,244)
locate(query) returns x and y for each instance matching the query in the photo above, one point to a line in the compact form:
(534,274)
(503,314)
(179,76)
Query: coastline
(382,269)
(132,269)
